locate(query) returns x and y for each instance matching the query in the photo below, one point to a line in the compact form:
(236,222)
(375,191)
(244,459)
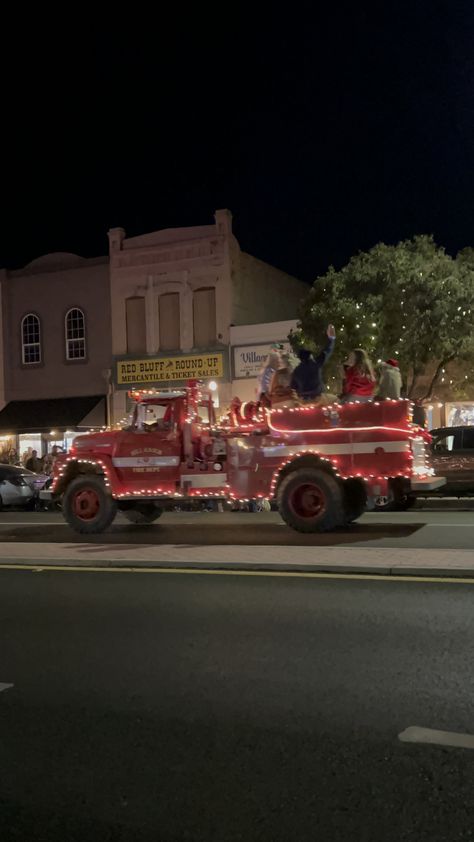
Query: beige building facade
(175,295)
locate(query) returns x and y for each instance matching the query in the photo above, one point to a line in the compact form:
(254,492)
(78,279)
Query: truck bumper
(427,484)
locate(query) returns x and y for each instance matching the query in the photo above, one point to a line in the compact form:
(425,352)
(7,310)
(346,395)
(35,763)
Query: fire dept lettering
(158,370)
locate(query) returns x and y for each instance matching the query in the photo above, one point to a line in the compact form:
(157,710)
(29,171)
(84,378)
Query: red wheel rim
(86,504)
(307,500)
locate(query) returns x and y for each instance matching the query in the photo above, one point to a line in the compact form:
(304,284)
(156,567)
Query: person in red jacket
(359,378)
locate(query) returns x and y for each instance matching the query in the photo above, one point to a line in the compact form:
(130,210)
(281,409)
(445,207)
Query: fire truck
(321,465)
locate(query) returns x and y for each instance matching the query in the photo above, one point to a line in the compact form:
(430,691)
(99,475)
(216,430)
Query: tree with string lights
(411,301)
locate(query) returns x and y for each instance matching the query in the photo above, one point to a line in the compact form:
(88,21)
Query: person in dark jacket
(307,379)
(33,463)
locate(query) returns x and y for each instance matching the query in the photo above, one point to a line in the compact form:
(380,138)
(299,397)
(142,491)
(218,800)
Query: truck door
(148,455)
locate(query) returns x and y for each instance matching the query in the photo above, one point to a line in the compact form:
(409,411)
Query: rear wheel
(310,500)
(398,499)
(86,505)
(401,504)
(143,513)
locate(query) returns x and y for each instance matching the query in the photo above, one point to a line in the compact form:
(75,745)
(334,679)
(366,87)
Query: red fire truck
(323,465)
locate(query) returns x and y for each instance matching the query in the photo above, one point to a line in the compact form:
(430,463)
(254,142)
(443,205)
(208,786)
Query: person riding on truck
(307,379)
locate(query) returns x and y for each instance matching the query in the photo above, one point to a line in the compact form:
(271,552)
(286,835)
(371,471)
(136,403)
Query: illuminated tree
(412,302)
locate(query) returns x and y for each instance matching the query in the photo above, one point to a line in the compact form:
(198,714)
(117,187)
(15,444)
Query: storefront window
(460,414)
(8,454)
(68,440)
(28,442)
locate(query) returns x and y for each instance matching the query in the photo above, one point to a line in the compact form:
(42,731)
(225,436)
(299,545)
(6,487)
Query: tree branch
(436,376)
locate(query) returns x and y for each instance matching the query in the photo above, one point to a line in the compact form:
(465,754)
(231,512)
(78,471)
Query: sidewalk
(364,560)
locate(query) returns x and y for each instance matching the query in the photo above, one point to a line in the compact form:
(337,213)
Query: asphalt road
(203,707)
(432,528)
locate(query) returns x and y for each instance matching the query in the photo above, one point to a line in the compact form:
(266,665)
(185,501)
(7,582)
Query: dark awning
(57,413)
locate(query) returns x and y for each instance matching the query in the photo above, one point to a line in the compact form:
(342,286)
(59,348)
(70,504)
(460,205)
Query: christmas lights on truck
(323,465)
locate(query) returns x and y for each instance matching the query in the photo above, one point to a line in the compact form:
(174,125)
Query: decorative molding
(210,250)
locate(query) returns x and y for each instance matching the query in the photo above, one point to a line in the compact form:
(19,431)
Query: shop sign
(169,369)
(249,359)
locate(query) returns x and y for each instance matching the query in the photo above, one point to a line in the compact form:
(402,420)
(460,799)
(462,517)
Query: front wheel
(142,513)
(311,500)
(87,507)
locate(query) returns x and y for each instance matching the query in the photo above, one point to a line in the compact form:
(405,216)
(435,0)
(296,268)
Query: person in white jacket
(390,383)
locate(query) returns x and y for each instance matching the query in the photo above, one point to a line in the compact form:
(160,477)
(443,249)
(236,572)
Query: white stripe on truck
(337,449)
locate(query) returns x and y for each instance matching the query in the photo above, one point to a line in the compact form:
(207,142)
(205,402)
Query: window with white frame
(75,334)
(30,339)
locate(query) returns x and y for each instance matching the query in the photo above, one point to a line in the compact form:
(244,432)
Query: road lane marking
(275,574)
(5,686)
(416,734)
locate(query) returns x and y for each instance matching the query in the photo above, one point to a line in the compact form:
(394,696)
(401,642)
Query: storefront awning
(57,413)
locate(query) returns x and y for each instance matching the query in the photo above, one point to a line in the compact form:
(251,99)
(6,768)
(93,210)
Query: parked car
(452,457)
(18,486)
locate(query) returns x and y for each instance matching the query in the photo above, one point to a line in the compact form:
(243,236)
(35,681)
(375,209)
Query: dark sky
(323,135)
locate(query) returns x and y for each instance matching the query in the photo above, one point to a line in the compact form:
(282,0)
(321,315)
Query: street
(433,526)
(229,707)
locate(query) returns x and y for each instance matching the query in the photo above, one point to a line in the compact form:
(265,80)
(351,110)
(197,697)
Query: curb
(243,567)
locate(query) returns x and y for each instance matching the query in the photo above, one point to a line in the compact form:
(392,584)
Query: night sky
(322,136)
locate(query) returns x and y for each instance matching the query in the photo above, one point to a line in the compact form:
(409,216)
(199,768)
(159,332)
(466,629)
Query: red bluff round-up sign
(169,369)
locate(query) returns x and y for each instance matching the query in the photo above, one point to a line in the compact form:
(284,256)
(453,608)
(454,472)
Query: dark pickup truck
(452,456)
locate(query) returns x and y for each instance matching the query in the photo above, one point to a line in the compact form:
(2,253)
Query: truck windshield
(154,416)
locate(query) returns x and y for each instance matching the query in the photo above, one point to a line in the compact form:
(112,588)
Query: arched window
(204,314)
(75,334)
(168,311)
(30,339)
(135,317)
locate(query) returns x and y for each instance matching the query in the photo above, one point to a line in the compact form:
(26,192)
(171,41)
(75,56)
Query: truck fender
(301,460)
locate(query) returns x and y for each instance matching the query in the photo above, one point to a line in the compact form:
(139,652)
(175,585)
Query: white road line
(416,734)
(4,686)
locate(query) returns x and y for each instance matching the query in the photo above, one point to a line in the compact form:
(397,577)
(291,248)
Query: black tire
(311,500)
(405,502)
(87,507)
(399,504)
(143,513)
(355,499)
